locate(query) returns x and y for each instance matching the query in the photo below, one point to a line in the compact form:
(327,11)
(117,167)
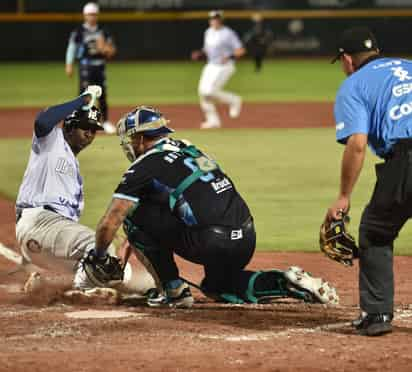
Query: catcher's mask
(83,119)
(142,120)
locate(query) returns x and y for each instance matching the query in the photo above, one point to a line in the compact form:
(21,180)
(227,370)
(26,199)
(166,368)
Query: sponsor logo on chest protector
(221,186)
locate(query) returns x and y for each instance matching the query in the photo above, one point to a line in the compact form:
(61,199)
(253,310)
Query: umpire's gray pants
(388,210)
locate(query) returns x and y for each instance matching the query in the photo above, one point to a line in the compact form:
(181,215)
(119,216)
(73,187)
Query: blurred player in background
(221,47)
(257,40)
(50,198)
(91,46)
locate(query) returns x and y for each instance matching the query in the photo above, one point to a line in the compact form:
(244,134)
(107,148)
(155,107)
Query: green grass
(43,84)
(288,177)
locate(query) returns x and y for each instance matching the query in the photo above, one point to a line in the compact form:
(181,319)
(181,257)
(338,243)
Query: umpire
(92,46)
(373,107)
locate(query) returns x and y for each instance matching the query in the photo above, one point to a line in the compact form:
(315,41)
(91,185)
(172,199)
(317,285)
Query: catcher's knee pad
(271,283)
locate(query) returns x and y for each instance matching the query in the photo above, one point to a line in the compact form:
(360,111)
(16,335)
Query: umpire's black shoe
(373,324)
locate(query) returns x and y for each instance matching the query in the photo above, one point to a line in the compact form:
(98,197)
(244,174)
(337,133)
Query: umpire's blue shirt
(376,100)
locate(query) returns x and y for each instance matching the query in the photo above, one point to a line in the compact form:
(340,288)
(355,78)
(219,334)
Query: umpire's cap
(356,40)
(84,119)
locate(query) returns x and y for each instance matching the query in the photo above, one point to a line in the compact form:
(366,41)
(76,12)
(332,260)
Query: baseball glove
(336,242)
(103,271)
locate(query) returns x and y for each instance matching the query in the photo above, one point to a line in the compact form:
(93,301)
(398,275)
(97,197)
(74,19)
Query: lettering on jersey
(221,186)
(236,234)
(91,40)
(402,89)
(340,125)
(172,156)
(401,74)
(64,167)
(124,178)
(387,64)
(398,111)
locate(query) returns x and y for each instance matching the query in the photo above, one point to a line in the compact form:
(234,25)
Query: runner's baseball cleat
(316,288)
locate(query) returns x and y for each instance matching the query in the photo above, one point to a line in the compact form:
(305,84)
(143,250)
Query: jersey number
(194,166)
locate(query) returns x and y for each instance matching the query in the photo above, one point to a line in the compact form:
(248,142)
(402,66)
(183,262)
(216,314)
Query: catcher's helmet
(143,120)
(84,119)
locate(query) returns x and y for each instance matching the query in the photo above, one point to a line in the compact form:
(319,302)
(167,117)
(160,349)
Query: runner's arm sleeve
(70,52)
(46,120)
(71,48)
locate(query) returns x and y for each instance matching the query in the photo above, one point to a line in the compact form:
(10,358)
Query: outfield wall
(172,35)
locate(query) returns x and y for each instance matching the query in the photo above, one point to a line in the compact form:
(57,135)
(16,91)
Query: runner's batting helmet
(83,119)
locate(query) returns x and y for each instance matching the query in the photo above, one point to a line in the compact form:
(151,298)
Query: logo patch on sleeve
(340,126)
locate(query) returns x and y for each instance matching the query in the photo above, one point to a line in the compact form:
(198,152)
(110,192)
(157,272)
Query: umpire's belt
(232,233)
(401,148)
(19,211)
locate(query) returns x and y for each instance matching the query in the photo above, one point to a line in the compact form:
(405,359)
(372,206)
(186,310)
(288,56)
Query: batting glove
(94,91)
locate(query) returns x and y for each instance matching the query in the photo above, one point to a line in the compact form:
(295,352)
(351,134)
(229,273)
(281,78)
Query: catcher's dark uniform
(195,213)
(92,64)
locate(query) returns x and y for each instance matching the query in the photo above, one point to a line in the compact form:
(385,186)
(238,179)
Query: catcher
(176,199)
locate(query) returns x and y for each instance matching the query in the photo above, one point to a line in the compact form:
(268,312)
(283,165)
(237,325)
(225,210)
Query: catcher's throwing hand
(102,271)
(336,242)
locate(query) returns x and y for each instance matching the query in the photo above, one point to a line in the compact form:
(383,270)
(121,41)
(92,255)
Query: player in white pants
(50,198)
(221,47)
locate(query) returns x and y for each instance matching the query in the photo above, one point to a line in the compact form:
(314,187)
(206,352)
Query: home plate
(102,314)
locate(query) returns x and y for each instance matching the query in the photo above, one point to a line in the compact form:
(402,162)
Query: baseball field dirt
(43,331)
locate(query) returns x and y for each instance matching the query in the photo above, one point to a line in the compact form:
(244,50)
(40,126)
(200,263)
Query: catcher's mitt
(336,242)
(102,271)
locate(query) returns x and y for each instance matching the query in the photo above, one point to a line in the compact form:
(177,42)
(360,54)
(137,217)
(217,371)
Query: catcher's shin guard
(293,283)
(270,284)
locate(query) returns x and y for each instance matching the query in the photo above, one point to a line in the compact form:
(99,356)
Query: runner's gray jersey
(220,43)
(52,177)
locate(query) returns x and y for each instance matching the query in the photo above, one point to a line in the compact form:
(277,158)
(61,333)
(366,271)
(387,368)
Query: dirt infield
(38,331)
(19,123)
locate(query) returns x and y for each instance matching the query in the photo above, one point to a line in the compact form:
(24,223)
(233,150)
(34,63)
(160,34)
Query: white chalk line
(400,315)
(11,255)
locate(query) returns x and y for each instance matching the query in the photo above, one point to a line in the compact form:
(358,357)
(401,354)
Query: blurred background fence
(170,29)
